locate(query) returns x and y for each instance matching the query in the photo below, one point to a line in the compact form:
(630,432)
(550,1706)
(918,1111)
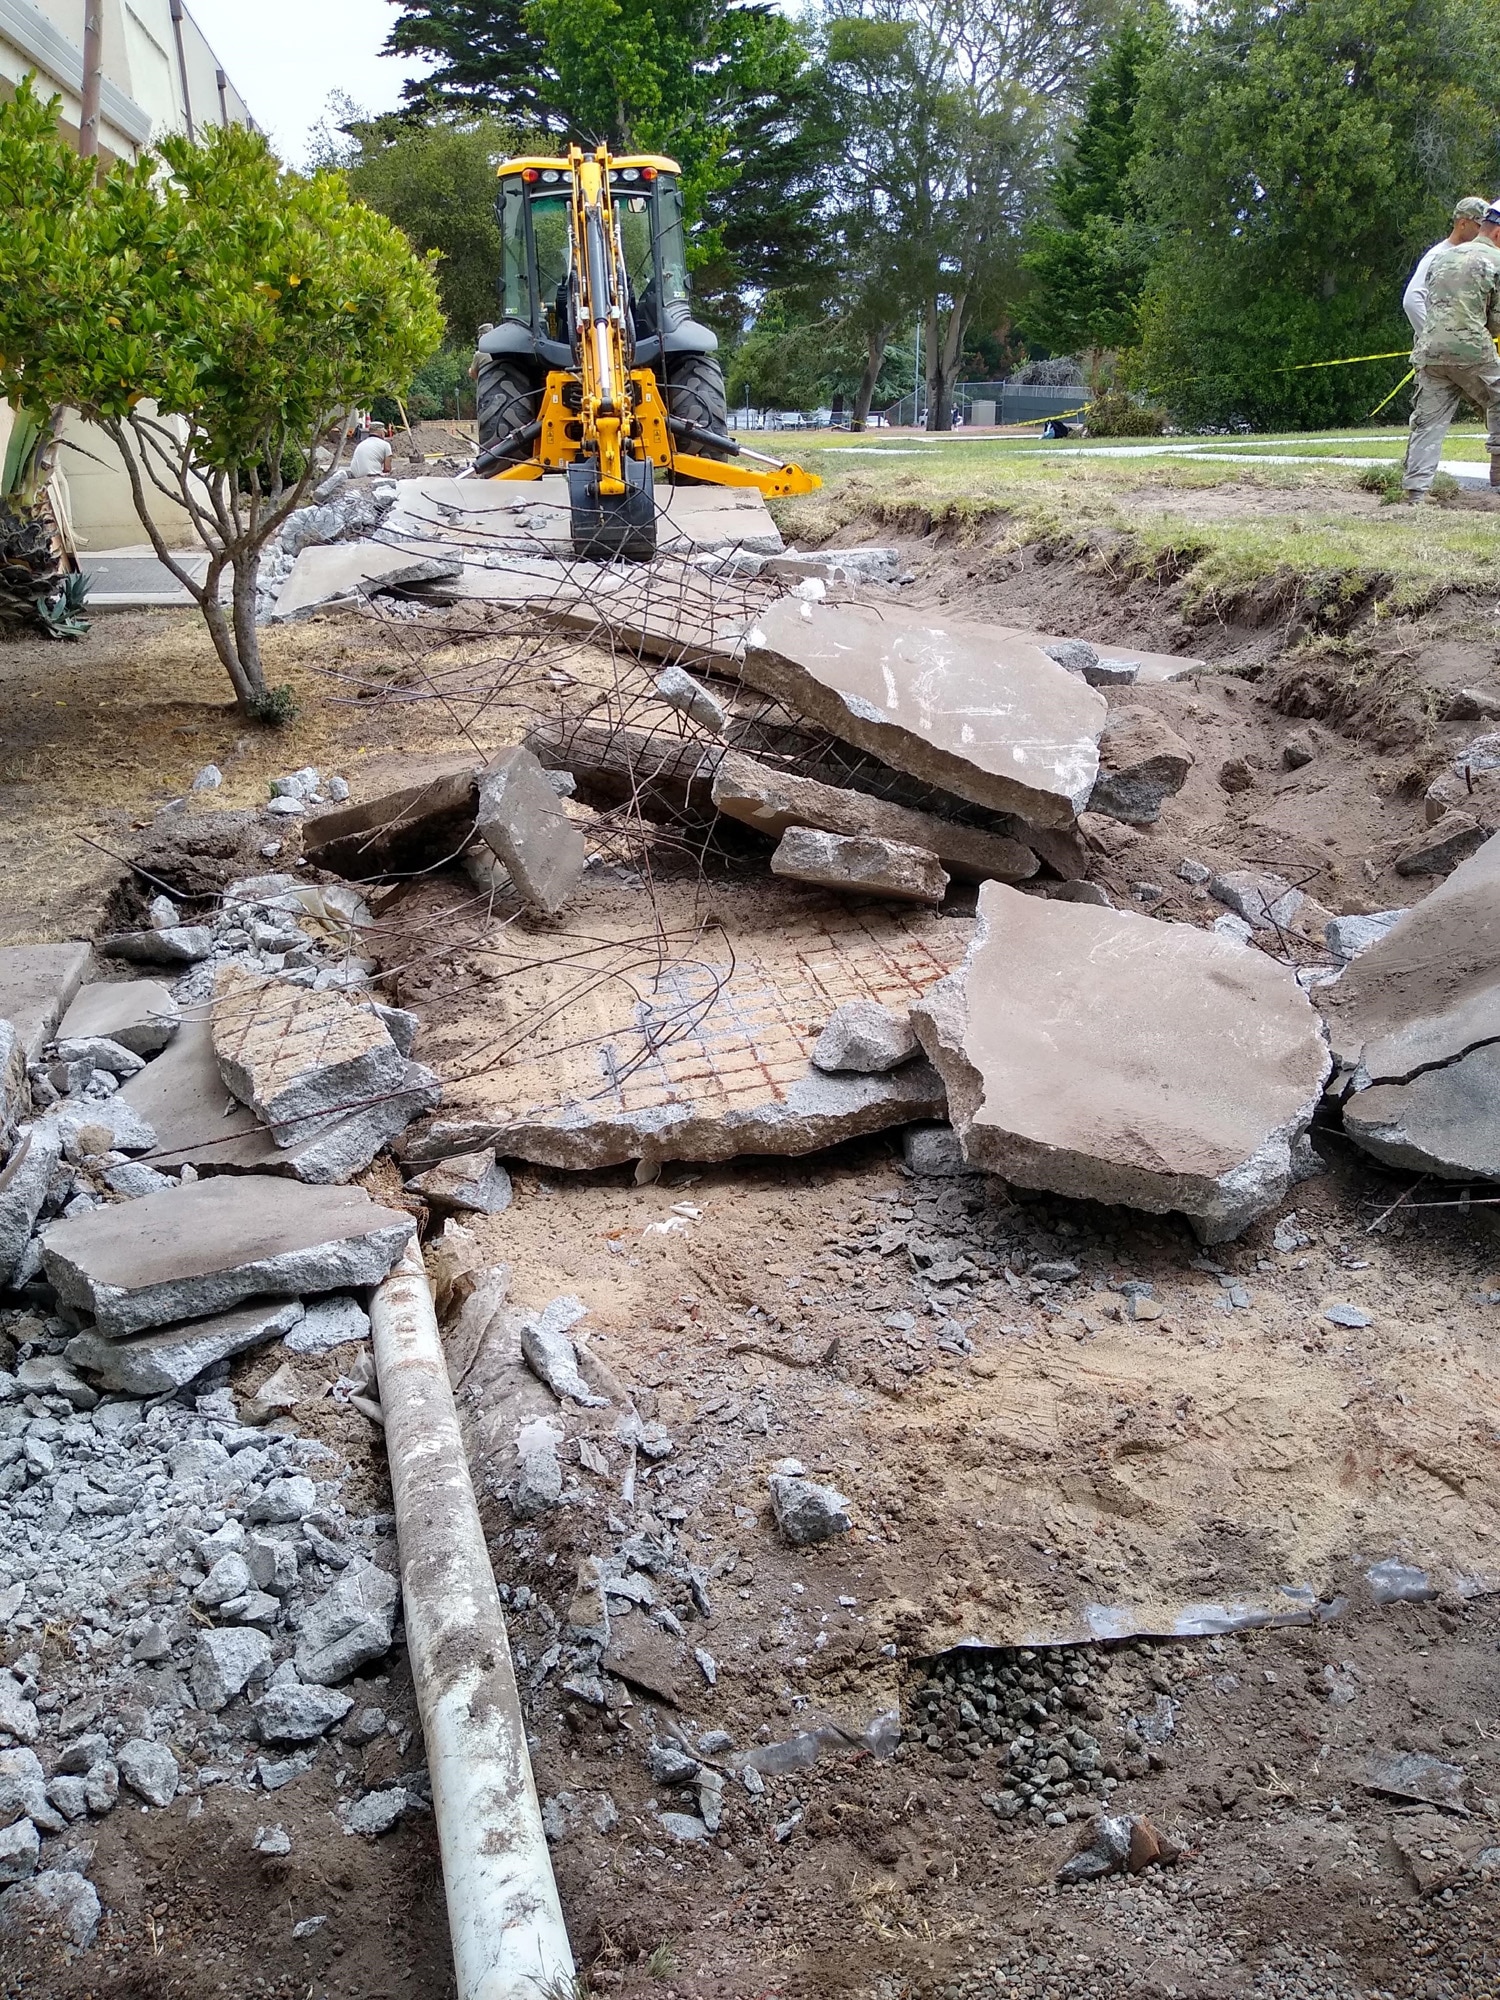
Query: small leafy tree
(214,314)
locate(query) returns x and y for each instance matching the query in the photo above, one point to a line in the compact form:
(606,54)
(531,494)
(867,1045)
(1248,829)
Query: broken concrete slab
(1455,837)
(987,717)
(155,1364)
(401,833)
(1429,990)
(205,1248)
(523,821)
(866,1038)
(1142,763)
(664,776)
(771,801)
(25,1182)
(837,566)
(1106,1056)
(37,986)
(487,514)
(347,572)
(704,1056)
(1476,793)
(1416,1018)
(199,1124)
(1440,1121)
(184,944)
(698,703)
(1265,902)
(139,1014)
(349,1627)
(15,1091)
(1347,937)
(860,865)
(469,1184)
(296,1056)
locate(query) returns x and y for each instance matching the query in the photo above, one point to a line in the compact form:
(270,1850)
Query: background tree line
(1194,204)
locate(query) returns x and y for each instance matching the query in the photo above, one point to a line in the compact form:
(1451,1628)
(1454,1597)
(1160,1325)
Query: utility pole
(93,79)
(916,380)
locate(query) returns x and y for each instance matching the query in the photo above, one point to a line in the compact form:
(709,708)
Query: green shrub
(1114,414)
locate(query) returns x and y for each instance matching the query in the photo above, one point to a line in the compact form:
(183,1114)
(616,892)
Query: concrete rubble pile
(227,1609)
(966,754)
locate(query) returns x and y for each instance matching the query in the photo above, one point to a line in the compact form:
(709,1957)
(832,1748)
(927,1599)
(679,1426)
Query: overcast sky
(285,56)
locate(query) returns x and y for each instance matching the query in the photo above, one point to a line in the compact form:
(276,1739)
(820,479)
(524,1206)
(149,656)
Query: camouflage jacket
(1463,306)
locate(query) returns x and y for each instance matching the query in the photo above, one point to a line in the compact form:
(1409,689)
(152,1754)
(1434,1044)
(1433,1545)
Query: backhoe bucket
(613,527)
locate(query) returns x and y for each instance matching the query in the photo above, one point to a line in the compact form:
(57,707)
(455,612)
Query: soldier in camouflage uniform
(1454,356)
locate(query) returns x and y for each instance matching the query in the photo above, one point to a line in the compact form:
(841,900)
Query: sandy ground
(1015,1450)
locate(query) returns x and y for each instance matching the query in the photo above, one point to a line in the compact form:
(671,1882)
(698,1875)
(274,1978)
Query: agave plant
(38,591)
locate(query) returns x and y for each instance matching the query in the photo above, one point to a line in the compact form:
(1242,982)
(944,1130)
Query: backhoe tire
(507,402)
(695,394)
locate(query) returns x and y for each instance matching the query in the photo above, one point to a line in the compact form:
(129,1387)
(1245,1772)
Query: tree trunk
(246,630)
(945,353)
(221,631)
(875,345)
(934,370)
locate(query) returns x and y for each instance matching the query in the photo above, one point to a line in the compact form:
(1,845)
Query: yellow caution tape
(1407,377)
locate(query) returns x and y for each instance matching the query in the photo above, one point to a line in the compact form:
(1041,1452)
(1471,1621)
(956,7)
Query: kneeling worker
(1453,356)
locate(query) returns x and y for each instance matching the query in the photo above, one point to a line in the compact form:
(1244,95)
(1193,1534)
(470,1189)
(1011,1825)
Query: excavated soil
(1021,1454)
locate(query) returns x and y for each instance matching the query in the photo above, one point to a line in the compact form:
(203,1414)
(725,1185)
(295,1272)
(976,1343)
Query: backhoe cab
(597,367)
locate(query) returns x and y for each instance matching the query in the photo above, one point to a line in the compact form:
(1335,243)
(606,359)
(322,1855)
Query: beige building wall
(160,76)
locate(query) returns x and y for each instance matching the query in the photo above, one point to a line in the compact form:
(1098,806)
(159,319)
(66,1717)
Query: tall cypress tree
(1089,258)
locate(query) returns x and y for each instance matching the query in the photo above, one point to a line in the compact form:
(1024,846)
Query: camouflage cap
(1470,209)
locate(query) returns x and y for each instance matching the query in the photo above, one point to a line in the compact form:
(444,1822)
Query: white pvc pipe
(509,1940)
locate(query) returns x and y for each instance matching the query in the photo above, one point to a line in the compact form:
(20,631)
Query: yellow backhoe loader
(597,367)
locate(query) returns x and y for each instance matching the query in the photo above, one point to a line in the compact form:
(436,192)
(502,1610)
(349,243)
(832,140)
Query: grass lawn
(1227,509)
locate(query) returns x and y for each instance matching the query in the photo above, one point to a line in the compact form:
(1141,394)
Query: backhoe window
(673,242)
(633,213)
(550,223)
(515,286)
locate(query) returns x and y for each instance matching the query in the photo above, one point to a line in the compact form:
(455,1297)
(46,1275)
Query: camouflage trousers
(1441,387)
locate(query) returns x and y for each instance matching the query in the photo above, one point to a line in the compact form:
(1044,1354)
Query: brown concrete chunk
(295,1055)
(771,801)
(522,820)
(207,1247)
(860,865)
(987,716)
(139,1014)
(400,833)
(1104,1055)
(1142,763)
